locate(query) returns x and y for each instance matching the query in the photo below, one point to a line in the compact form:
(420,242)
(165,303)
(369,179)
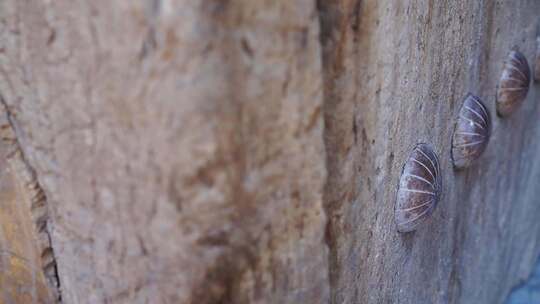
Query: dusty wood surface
(248,151)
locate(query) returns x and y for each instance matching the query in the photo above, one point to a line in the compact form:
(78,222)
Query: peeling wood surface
(248,151)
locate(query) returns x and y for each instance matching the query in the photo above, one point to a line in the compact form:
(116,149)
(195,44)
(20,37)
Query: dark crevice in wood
(339,22)
(326,19)
(38,207)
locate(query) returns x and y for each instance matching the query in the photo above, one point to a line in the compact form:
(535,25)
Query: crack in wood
(31,193)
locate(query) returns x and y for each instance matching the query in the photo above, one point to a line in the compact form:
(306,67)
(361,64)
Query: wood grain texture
(395,75)
(536,61)
(248,151)
(179,143)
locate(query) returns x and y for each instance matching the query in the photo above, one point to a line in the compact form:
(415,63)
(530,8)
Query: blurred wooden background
(241,151)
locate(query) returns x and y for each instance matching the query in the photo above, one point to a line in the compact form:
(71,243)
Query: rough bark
(244,151)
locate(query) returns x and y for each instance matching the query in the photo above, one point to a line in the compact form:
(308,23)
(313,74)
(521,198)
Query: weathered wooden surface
(179,143)
(396,73)
(249,151)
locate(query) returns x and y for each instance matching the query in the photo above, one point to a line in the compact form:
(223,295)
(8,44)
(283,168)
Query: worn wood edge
(32,195)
